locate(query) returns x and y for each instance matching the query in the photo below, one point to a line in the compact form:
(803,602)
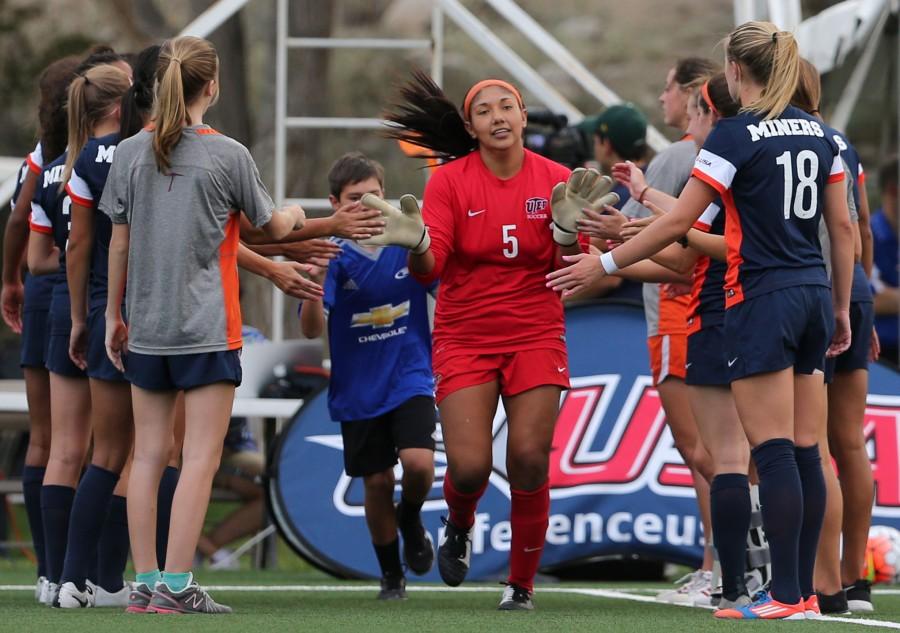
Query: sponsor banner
(618,486)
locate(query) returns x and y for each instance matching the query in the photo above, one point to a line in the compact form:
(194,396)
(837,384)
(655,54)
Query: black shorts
(372,446)
(98,364)
(862,317)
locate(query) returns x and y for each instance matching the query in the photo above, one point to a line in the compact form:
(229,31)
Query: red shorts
(514,371)
(668,355)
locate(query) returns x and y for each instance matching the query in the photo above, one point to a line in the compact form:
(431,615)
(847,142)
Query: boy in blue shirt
(381,389)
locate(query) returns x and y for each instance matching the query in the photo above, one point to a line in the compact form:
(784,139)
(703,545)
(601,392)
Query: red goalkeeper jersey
(493,246)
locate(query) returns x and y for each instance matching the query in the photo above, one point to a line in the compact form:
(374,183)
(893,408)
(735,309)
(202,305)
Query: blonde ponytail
(91,96)
(772,58)
(186,65)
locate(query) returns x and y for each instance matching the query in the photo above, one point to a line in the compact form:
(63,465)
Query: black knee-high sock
(32,479)
(730,509)
(112,553)
(781,498)
(56,505)
(167,486)
(89,510)
(389,558)
(809,463)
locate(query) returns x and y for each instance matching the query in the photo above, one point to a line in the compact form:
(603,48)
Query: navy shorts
(706,363)
(34,338)
(182,371)
(58,359)
(98,364)
(790,327)
(862,317)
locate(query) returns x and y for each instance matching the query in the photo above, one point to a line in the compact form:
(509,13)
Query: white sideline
(585,591)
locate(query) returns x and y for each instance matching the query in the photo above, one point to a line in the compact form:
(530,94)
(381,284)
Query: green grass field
(296,597)
(310,601)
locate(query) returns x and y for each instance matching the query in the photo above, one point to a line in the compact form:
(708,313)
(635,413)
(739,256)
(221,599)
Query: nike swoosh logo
(533,549)
(688,365)
(560,369)
(472,214)
(732,361)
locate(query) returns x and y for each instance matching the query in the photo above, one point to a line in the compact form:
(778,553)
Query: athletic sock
(177,582)
(389,558)
(112,552)
(809,464)
(781,496)
(56,505)
(89,511)
(149,578)
(529,518)
(730,510)
(32,479)
(167,485)
(408,513)
(461,505)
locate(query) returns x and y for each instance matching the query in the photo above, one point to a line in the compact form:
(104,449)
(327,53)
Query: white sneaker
(71,598)
(104,598)
(695,589)
(39,587)
(48,593)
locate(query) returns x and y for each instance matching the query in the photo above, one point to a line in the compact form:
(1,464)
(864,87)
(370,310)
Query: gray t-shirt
(668,172)
(182,289)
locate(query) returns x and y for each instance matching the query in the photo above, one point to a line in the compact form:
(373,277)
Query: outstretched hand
(354,221)
(584,270)
(630,175)
(606,224)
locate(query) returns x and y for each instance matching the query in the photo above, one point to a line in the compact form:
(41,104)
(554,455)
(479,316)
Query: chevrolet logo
(380,316)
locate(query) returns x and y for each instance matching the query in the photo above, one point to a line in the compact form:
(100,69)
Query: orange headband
(481,85)
(704,90)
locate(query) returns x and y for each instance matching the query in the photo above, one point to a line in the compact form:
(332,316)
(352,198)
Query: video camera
(550,135)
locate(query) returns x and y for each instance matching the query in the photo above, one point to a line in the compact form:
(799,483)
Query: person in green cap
(620,135)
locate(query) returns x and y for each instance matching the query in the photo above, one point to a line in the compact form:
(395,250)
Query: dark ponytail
(428,119)
(138,101)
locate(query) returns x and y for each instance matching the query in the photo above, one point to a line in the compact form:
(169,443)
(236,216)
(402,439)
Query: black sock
(730,509)
(408,513)
(89,510)
(781,498)
(112,554)
(56,505)
(32,479)
(809,463)
(167,486)
(389,558)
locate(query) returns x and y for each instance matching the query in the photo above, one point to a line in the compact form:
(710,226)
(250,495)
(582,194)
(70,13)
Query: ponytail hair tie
(774,37)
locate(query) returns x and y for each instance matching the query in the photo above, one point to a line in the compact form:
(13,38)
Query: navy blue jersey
(707,306)
(771,176)
(37,288)
(85,188)
(851,157)
(50,214)
(378,333)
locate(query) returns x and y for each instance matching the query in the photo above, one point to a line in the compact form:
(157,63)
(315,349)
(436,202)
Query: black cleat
(392,587)
(515,598)
(833,604)
(418,546)
(859,597)
(454,554)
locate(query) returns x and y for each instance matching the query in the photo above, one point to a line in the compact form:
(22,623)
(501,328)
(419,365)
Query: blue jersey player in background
(381,389)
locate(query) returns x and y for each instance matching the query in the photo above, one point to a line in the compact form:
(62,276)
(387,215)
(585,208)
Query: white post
(437,44)
(281,31)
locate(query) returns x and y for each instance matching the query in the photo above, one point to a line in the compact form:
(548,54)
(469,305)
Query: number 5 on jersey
(807,169)
(510,241)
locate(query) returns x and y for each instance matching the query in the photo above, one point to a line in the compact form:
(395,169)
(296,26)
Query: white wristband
(608,263)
